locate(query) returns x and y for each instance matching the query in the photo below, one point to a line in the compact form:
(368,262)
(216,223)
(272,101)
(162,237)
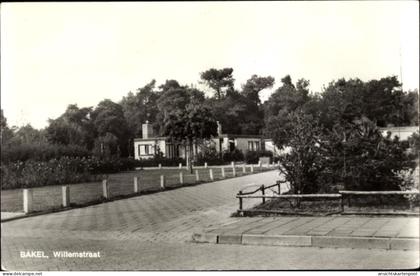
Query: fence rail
(341,195)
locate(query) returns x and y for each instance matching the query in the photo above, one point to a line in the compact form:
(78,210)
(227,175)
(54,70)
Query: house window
(257,145)
(146,149)
(250,146)
(138,149)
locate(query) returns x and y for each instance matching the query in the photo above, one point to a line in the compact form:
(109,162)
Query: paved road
(153,232)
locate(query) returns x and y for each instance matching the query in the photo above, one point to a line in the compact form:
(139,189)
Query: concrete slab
(405,244)
(279,240)
(276,222)
(291,225)
(351,242)
(230,239)
(5,216)
(205,237)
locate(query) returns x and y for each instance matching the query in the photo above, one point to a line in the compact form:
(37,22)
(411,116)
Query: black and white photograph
(210,136)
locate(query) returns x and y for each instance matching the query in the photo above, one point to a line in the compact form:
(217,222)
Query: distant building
(402,132)
(149,145)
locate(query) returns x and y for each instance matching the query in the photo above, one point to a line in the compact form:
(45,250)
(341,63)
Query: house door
(231,145)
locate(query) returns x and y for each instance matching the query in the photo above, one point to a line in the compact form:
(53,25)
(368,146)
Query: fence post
(181,178)
(197,176)
(162,181)
(278,184)
(160,166)
(65,191)
(252,168)
(28,200)
(260,165)
(223,172)
(240,201)
(180,165)
(105,188)
(263,193)
(211,174)
(342,203)
(136,184)
(205,165)
(244,168)
(233,169)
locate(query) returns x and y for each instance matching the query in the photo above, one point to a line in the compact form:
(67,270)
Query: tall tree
(254,85)
(108,118)
(6,132)
(189,125)
(381,101)
(73,127)
(220,80)
(140,107)
(286,99)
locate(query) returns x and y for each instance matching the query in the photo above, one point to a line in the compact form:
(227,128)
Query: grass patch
(120,186)
(371,204)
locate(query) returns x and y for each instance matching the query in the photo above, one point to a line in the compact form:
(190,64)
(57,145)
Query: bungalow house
(150,144)
(402,132)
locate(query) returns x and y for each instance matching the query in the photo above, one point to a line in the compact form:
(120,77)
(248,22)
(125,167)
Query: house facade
(402,132)
(150,144)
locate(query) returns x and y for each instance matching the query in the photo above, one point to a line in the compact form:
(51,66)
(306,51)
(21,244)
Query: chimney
(147,130)
(219,129)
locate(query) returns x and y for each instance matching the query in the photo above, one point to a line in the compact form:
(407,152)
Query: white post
(180,165)
(162,181)
(233,171)
(136,184)
(28,200)
(244,168)
(223,172)
(160,166)
(233,164)
(65,191)
(278,163)
(252,168)
(211,174)
(181,178)
(260,164)
(205,165)
(105,188)
(197,176)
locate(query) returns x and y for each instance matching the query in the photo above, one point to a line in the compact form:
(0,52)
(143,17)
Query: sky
(56,54)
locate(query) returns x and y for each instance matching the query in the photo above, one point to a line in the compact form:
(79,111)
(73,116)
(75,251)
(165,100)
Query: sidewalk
(5,216)
(395,233)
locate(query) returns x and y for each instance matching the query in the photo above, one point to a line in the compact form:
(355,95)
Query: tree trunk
(190,154)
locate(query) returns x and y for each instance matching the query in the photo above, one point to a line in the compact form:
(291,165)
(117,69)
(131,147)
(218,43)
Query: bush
(42,173)
(252,157)
(157,159)
(40,152)
(353,154)
(64,170)
(211,156)
(235,155)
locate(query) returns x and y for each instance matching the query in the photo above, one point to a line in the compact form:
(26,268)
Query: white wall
(152,144)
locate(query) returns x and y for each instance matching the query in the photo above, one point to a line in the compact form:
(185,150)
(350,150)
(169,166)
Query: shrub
(252,157)
(374,162)
(353,154)
(156,160)
(209,155)
(65,170)
(235,155)
(40,152)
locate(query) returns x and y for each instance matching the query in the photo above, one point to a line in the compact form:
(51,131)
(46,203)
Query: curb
(309,241)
